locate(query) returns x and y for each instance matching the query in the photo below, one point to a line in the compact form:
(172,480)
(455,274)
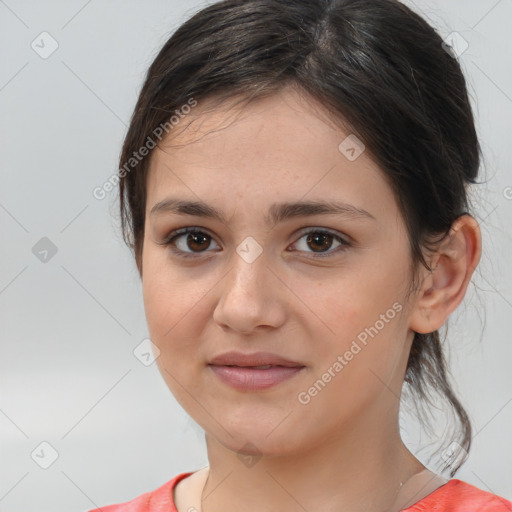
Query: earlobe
(444,287)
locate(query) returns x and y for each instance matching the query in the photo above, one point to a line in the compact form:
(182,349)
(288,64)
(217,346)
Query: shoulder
(459,496)
(158,500)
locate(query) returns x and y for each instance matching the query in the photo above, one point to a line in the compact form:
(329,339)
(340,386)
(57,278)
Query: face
(326,291)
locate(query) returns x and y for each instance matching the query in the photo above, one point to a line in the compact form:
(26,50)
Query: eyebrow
(277,212)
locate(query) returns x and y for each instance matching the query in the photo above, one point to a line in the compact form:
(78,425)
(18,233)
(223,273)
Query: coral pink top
(454,496)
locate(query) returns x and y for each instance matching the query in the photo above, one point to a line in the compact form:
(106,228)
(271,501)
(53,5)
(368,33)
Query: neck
(363,467)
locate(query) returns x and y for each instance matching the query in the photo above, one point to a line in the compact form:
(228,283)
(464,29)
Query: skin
(342,450)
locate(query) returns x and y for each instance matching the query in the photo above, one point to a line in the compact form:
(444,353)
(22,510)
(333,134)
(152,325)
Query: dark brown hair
(377,67)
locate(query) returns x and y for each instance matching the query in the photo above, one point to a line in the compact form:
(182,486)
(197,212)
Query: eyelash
(174,235)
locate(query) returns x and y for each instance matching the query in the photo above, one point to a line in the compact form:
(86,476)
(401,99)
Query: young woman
(294,187)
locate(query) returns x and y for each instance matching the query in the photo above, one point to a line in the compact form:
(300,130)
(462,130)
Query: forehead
(214,122)
(284,147)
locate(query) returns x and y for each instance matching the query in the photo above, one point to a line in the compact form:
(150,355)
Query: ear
(444,287)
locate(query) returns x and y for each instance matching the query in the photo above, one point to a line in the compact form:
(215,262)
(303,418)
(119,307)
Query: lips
(264,360)
(253,379)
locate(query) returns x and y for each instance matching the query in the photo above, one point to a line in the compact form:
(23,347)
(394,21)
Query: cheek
(171,310)
(360,321)
(167,300)
(165,293)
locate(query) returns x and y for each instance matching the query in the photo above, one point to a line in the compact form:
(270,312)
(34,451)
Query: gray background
(68,375)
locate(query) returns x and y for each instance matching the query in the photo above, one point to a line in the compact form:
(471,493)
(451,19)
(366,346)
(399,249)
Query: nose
(250,297)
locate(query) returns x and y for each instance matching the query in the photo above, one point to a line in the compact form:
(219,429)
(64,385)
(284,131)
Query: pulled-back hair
(378,68)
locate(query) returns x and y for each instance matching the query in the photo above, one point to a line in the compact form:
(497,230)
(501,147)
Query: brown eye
(197,241)
(194,243)
(320,241)
(317,242)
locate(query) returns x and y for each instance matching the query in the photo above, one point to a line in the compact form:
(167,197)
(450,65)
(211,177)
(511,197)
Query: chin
(258,443)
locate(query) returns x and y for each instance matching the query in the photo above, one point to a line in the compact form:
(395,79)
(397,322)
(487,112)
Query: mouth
(258,360)
(254,378)
(255,371)
(261,367)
